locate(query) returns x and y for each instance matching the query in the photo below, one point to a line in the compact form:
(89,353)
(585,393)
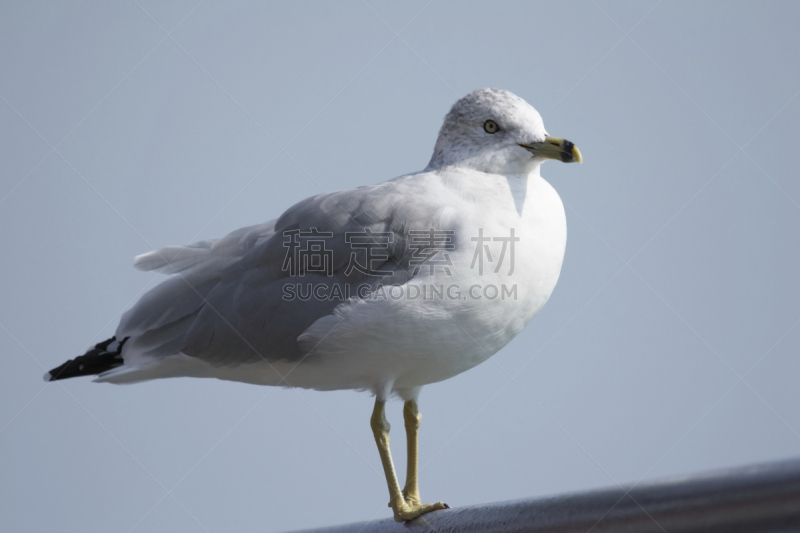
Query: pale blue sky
(670,345)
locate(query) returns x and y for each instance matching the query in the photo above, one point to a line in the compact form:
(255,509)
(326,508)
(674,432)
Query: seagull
(384,288)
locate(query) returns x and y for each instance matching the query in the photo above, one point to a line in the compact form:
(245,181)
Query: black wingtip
(93,362)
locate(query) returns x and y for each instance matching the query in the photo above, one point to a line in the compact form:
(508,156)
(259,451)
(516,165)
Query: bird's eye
(490,126)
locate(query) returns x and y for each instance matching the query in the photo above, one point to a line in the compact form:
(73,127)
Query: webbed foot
(409,510)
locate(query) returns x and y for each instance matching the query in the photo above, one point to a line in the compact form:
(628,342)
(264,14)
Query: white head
(495,131)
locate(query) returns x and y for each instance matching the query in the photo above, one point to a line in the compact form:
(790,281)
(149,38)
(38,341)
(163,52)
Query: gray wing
(231,301)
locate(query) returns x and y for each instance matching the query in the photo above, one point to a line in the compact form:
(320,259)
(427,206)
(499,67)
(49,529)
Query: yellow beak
(555,148)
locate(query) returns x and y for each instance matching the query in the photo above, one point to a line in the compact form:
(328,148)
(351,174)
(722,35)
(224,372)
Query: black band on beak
(566,151)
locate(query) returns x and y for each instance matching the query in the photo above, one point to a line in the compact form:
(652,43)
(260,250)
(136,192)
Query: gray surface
(680,274)
(754,499)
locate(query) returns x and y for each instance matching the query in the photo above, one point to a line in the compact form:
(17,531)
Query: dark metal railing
(761,498)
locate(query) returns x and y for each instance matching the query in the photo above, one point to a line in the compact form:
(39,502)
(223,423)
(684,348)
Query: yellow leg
(406,503)
(412,420)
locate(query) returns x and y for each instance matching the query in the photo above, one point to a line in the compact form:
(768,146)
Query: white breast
(414,341)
